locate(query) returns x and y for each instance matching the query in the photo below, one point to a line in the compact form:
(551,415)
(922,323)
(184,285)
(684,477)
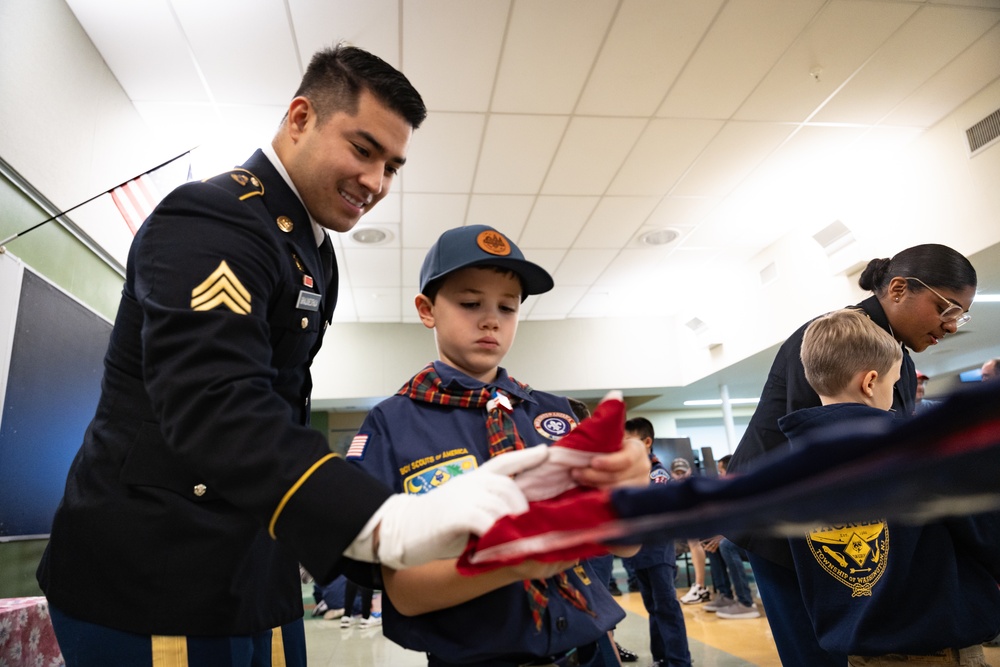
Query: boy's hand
(627,467)
(418,529)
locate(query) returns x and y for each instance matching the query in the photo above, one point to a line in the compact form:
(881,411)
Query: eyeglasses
(953,313)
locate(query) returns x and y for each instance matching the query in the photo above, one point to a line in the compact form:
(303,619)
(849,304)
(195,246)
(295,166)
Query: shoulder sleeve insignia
(222,288)
(249,185)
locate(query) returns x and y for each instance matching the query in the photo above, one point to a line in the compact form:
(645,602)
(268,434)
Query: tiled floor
(714,642)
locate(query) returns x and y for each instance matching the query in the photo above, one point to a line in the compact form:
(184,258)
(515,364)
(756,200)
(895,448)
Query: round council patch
(493,242)
(554,425)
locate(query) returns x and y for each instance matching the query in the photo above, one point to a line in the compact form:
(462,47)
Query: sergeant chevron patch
(222,288)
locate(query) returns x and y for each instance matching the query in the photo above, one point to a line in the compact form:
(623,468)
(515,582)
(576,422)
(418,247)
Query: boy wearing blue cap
(452,416)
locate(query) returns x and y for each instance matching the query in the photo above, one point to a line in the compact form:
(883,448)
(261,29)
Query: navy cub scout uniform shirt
(199,486)
(414,447)
(873,588)
(655,552)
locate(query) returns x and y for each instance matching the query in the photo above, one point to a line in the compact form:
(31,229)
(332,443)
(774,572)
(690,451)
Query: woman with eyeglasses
(920,296)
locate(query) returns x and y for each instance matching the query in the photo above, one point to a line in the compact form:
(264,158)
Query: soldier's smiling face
(345,164)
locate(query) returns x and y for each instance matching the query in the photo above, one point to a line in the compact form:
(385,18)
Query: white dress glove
(417,529)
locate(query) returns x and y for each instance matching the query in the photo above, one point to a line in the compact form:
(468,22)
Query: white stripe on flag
(136,200)
(357,448)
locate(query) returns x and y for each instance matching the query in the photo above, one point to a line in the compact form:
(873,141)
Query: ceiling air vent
(984,133)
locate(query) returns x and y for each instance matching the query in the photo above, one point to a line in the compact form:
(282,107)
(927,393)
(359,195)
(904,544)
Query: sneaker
(320,609)
(738,610)
(346,621)
(370,622)
(613,589)
(625,654)
(332,614)
(696,595)
(718,602)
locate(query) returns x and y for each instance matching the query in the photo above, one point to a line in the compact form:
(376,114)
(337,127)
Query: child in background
(929,594)
(655,569)
(455,414)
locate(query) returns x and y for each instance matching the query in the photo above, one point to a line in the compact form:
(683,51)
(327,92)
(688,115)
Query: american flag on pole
(136,199)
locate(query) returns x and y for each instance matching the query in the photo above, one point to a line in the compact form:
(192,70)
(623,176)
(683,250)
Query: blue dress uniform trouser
(787,615)
(85,644)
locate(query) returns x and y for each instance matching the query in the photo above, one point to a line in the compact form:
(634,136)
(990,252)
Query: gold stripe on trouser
(277,648)
(170,651)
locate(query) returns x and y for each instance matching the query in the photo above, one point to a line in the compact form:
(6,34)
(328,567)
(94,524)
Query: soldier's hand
(416,529)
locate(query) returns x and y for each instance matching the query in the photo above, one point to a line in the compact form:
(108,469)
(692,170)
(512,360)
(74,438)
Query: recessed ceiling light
(657,237)
(370,235)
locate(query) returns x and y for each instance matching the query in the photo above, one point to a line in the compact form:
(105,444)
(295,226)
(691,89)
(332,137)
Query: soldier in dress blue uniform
(200,486)
(472,283)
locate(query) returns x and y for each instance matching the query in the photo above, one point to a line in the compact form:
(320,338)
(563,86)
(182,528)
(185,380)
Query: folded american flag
(944,462)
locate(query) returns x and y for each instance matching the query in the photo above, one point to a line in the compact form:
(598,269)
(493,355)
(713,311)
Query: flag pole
(73,208)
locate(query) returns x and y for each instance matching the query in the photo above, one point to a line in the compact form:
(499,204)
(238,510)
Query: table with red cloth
(26,634)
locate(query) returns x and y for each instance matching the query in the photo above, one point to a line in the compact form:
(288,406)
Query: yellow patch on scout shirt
(853,554)
(430,478)
(222,288)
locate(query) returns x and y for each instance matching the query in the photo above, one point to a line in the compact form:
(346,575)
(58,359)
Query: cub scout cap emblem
(285,223)
(222,288)
(493,242)
(240,178)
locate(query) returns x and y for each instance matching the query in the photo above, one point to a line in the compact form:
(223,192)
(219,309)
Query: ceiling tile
(590,154)
(390,209)
(731,156)
(507,213)
(583,266)
(679,212)
(426,217)
(556,221)
(457,37)
(662,155)
(744,42)
(233,75)
(443,153)
(960,79)
(933,37)
(543,65)
(827,53)
(649,43)
(372,267)
(554,304)
(150,58)
(614,221)
(517,152)
(370,24)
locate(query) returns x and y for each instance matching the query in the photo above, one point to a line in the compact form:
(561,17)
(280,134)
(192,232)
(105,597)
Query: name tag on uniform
(308,300)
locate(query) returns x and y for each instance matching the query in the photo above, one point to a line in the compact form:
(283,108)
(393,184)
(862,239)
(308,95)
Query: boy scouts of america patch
(554,425)
(855,555)
(429,479)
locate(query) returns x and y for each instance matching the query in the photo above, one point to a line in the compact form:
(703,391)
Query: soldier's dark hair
(936,265)
(336,76)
